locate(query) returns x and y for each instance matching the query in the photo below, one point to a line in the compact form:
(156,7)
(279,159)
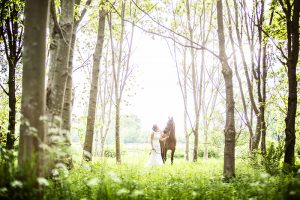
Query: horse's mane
(171,127)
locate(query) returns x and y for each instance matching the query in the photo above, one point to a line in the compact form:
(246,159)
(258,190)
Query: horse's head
(170,128)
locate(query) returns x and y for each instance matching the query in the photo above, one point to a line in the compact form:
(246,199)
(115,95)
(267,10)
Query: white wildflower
(264,175)
(92,182)
(3,190)
(114,177)
(136,193)
(16,184)
(123,191)
(55,172)
(42,181)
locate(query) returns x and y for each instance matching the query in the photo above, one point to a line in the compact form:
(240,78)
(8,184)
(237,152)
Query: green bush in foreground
(202,180)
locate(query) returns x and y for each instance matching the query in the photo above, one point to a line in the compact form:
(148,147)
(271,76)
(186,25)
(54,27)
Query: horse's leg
(172,155)
(165,154)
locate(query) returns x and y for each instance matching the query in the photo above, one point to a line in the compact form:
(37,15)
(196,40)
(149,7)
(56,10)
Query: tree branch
(4,90)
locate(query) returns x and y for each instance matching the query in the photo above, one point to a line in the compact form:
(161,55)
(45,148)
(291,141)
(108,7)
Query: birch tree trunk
(67,106)
(32,129)
(194,85)
(89,136)
(55,94)
(68,97)
(229,149)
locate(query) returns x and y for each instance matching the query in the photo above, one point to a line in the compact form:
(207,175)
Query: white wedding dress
(155,155)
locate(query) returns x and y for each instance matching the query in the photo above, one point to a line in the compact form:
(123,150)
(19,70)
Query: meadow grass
(103,179)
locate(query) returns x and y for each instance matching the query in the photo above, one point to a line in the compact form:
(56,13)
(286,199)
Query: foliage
(271,161)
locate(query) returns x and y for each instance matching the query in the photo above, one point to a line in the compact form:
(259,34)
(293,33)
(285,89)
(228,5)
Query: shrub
(271,160)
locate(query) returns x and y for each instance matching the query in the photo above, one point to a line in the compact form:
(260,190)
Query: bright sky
(157,96)
(160,95)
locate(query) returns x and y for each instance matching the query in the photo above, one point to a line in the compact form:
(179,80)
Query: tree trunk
(263,103)
(12,107)
(32,129)
(292,60)
(248,123)
(117,131)
(89,136)
(229,149)
(196,141)
(55,94)
(194,85)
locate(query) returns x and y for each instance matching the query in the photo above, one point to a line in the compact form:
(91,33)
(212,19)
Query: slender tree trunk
(185,99)
(263,103)
(55,94)
(229,149)
(54,37)
(248,123)
(292,16)
(194,85)
(89,136)
(32,129)
(117,131)
(12,107)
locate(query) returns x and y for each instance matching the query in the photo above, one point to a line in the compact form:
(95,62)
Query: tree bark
(89,136)
(55,94)
(292,18)
(32,129)
(229,149)
(248,123)
(194,85)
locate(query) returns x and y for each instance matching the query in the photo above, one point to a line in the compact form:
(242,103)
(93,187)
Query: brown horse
(170,142)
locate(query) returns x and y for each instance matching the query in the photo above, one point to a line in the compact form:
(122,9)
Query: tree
(291,11)
(88,142)
(59,69)
(57,78)
(11,34)
(68,97)
(121,69)
(105,99)
(229,149)
(32,129)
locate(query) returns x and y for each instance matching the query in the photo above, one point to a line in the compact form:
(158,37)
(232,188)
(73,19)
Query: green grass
(103,179)
(201,180)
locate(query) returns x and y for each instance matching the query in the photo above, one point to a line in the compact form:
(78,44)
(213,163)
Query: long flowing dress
(155,155)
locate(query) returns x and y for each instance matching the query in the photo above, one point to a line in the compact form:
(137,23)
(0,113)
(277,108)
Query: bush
(271,160)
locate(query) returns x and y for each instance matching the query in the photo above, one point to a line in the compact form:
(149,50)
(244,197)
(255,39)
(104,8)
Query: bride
(155,155)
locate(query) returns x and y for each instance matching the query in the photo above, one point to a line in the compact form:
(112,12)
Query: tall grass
(103,179)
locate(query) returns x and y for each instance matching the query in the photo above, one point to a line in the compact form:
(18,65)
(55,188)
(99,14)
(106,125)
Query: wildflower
(123,191)
(3,190)
(92,182)
(264,175)
(16,184)
(136,193)
(42,181)
(114,177)
(55,172)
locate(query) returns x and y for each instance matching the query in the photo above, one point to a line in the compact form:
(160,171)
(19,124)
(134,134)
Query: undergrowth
(201,180)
